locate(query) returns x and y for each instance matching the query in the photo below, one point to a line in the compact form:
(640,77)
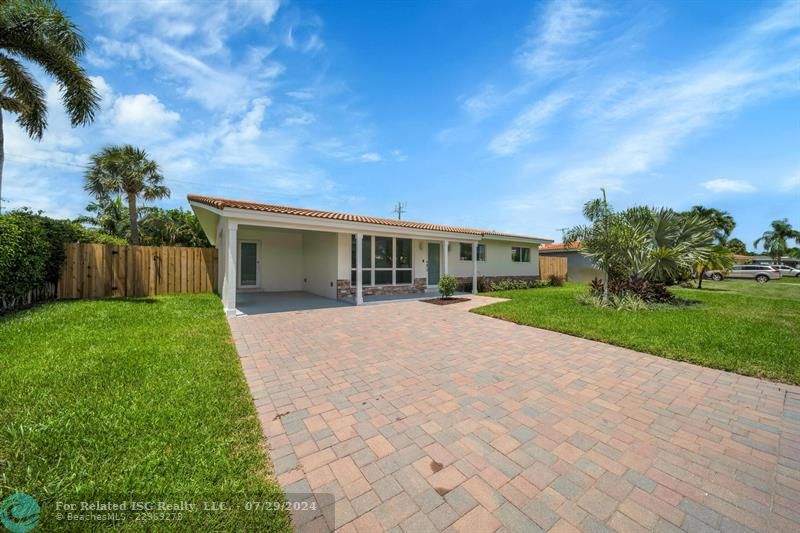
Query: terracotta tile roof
(222,203)
(559,246)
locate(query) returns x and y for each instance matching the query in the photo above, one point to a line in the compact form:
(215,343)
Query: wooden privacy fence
(552,266)
(101,271)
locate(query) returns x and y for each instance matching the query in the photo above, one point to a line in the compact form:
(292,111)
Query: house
(767,260)
(579,267)
(273,248)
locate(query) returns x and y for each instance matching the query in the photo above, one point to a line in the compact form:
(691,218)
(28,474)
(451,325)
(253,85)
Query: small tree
(719,258)
(125,170)
(737,246)
(447,285)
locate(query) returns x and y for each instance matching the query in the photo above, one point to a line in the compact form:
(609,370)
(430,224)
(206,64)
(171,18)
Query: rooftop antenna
(400,208)
(563,233)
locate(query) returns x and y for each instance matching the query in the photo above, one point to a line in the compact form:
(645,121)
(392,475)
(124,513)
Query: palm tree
(108,215)
(37,31)
(737,246)
(720,257)
(125,170)
(723,222)
(776,240)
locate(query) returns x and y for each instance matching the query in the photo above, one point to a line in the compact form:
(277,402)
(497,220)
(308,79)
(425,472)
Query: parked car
(760,273)
(786,270)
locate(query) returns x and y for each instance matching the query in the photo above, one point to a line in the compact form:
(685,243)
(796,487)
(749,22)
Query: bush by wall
(32,252)
(447,285)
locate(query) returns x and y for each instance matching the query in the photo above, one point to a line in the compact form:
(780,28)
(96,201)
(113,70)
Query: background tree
(172,227)
(109,215)
(38,32)
(125,170)
(776,240)
(722,221)
(737,246)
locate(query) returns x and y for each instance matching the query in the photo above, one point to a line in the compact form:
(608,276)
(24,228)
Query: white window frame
(521,255)
(372,269)
(469,244)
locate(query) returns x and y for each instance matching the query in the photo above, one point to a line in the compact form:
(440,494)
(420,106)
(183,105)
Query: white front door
(249,271)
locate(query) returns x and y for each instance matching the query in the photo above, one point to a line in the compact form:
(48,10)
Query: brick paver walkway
(425,418)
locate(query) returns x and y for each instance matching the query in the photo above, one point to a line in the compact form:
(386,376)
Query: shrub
(556,281)
(447,285)
(32,251)
(648,291)
(510,284)
(627,302)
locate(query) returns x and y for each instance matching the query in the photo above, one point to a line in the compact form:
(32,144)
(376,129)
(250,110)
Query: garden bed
(445,301)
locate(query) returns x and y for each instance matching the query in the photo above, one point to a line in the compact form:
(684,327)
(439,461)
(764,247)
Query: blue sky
(496,115)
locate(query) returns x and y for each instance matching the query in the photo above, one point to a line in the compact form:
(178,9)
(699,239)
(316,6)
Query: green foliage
(172,227)
(447,285)
(776,240)
(125,170)
(108,215)
(38,31)
(510,284)
(719,258)
(737,246)
(654,244)
(722,221)
(556,281)
(623,302)
(32,250)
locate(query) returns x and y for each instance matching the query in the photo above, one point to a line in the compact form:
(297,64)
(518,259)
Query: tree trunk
(605,290)
(2,160)
(700,278)
(134,218)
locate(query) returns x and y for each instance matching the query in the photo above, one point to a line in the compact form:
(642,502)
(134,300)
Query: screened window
(391,263)
(520,254)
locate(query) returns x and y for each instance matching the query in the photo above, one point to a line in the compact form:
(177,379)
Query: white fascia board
(508,238)
(278,220)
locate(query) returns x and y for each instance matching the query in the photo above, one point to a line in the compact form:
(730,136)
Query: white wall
(281,257)
(498,260)
(320,264)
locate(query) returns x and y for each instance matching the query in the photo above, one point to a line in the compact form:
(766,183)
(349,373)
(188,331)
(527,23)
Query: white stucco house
(271,248)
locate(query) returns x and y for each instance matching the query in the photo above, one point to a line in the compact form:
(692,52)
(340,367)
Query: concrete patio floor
(418,418)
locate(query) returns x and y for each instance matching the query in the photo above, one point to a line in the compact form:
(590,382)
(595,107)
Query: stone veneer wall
(344,289)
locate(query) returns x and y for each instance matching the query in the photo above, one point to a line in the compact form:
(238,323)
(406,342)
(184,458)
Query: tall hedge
(32,250)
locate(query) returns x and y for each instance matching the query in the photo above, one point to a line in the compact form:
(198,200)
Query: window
(390,264)
(465,251)
(520,254)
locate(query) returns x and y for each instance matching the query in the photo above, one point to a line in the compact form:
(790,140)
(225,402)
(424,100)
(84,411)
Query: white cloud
(526,127)
(726,185)
(792,181)
(370,157)
(564,26)
(142,115)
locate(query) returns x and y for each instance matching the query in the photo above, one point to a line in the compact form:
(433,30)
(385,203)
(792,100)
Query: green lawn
(738,325)
(140,399)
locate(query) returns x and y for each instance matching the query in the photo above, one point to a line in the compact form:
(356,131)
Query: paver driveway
(428,418)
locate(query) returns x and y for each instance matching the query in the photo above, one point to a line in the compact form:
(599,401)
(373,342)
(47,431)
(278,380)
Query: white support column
(446,255)
(359,268)
(231,268)
(474,268)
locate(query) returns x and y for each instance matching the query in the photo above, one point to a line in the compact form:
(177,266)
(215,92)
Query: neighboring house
(767,260)
(579,267)
(270,248)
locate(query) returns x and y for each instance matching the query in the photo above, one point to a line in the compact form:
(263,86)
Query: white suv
(760,273)
(786,270)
